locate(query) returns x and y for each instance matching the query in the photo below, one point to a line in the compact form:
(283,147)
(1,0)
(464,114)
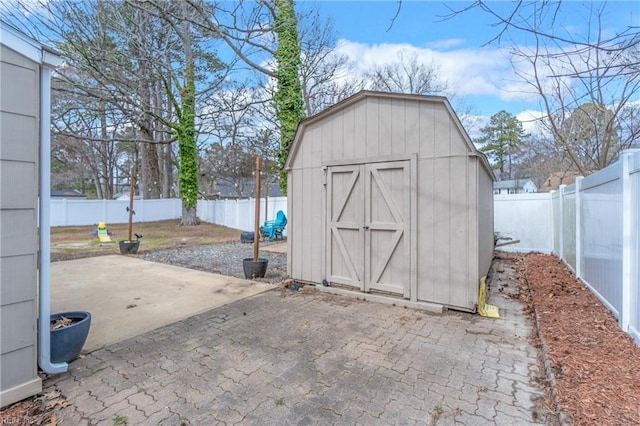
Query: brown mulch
(595,364)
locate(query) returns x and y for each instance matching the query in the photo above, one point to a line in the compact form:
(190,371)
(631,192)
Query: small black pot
(67,342)
(129,247)
(246,237)
(255,269)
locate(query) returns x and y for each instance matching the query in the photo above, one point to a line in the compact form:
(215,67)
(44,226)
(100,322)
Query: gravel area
(225,259)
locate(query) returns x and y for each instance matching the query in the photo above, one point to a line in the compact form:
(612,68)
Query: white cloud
(486,71)
(530,120)
(445,44)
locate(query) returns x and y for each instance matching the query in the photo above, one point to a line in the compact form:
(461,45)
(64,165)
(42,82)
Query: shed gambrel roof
(360,97)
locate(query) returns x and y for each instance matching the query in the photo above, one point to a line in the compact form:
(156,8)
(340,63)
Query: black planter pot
(129,247)
(67,342)
(255,269)
(246,238)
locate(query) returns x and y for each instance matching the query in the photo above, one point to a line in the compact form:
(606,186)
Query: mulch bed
(596,365)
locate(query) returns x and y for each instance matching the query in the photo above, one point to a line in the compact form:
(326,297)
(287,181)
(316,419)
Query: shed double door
(368,239)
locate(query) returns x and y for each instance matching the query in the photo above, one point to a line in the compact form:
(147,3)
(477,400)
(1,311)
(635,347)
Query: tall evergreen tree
(501,141)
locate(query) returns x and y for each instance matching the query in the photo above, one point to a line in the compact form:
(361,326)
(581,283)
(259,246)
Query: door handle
(366,228)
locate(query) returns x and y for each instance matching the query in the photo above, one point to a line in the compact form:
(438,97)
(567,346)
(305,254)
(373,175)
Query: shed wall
(485,222)
(448,180)
(19,109)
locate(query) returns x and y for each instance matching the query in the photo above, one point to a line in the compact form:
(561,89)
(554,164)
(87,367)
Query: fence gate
(368,242)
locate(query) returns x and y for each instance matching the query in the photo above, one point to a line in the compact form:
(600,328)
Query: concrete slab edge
(423,306)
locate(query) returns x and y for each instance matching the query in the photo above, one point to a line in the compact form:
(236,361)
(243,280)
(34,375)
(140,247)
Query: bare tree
(408,74)
(593,80)
(325,74)
(241,126)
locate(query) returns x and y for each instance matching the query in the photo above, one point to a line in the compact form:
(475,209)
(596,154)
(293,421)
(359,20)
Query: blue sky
(482,75)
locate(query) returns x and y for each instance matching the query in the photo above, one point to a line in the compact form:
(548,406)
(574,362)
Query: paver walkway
(285,357)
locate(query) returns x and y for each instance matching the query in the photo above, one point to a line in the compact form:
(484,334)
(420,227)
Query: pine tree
(501,141)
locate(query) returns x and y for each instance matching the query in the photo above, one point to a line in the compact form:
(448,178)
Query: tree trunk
(187,147)
(167,181)
(150,171)
(189,217)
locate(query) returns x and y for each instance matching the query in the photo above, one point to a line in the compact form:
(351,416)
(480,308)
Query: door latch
(366,228)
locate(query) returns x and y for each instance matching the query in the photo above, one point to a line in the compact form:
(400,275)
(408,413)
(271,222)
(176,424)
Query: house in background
(68,193)
(554,180)
(240,188)
(514,186)
(25,82)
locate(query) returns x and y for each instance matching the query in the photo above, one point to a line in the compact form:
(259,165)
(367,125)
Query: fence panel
(569,225)
(240,214)
(634,242)
(524,217)
(69,212)
(601,256)
(556,221)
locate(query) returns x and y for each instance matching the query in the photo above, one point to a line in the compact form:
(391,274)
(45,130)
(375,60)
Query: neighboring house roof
(228,189)
(67,193)
(361,96)
(556,179)
(513,184)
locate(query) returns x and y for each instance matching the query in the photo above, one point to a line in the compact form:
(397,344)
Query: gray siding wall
(485,222)
(447,190)
(19,138)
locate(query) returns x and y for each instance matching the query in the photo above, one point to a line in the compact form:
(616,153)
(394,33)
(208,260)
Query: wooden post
(256,234)
(266,200)
(131,192)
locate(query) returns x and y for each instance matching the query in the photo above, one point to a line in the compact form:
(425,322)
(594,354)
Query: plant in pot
(69,331)
(130,246)
(256,267)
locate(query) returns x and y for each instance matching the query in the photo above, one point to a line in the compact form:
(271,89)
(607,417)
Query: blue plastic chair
(272,229)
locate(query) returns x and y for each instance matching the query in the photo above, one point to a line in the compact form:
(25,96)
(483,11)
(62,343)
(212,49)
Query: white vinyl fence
(592,225)
(238,214)
(70,212)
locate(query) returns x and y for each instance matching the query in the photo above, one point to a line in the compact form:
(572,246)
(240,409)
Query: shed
(387,194)
(24,151)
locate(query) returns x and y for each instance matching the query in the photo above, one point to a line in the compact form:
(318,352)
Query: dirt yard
(76,242)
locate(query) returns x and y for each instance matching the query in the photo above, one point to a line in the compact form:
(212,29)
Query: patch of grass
(184,421)
(119,420)
(279,402)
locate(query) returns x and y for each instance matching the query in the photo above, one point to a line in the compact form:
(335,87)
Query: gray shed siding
(19,139)
(449,174)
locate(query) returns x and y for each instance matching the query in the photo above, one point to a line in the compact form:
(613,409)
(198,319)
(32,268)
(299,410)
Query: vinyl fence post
(552,221)
(627,241)
(579,226)
(561,221)
(65,209)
